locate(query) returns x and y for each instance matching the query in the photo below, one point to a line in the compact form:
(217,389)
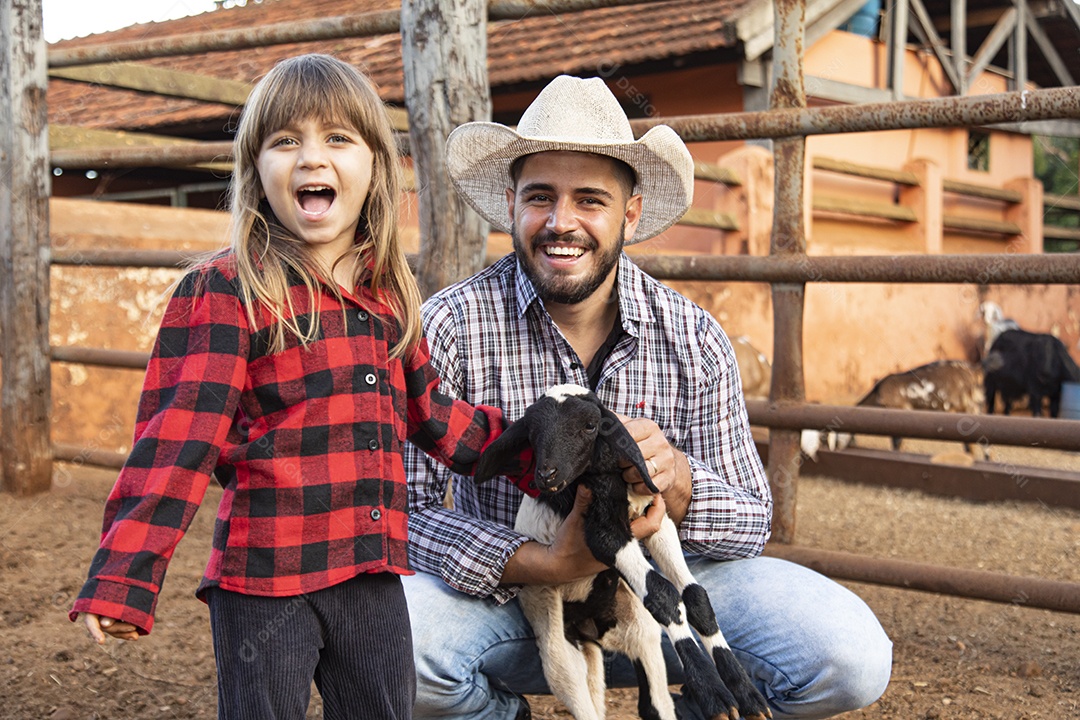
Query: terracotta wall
(113,308)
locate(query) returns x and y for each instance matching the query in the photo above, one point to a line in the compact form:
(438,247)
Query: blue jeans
(813,648)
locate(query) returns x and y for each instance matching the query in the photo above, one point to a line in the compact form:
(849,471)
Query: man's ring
(651,466)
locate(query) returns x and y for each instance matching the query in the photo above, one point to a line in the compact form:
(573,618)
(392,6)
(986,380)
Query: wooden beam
(944,58)
(70,137)
(1061,202)
(157,80)
(992,44)
(696,217)
(715,173)
(835,91)
(25,387)
(866,171)
(985,192)
(958,14)
(968,224)
(864,208)
(1052,232)
(1049,51)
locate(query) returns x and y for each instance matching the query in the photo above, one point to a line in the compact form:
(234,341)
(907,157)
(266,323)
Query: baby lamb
(576,440)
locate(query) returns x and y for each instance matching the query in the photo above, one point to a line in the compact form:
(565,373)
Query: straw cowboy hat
(583,116)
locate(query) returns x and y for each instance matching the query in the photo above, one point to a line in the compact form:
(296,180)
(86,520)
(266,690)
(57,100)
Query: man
(572,186)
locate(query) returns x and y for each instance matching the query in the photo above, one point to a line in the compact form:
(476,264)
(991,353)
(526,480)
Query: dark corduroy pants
(352,639)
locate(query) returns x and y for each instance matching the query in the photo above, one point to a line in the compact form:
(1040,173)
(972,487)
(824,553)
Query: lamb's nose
(545,474)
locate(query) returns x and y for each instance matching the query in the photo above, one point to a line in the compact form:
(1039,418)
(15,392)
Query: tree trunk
(25,395)
(444,52)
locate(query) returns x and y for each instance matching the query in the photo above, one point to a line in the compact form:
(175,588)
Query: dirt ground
(954,658)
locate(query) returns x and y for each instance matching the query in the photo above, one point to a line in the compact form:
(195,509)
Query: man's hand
(658,453)
(567,558)
(669,468)
(98,626)
(569,554)
(649,523)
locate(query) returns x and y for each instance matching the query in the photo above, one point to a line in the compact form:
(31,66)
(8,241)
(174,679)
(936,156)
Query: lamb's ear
(503,455)
(615,434)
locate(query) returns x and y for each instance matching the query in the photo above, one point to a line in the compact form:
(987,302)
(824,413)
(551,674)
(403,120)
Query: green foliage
(1057,165)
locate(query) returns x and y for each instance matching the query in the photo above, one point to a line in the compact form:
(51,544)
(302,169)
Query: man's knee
(847,676)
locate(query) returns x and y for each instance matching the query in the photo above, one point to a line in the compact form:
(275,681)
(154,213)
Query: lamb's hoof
(759,716)
(751,702)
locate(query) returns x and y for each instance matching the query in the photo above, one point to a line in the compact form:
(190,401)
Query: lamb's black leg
(637,636)
(617,547)
(666,551)
(644,699)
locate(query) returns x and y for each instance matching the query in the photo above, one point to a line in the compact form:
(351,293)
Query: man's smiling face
(570,215)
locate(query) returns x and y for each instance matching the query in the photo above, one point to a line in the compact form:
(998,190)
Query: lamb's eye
(590,428)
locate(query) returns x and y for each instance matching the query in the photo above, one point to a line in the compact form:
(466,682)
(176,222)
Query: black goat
(576,440)
(1024,363)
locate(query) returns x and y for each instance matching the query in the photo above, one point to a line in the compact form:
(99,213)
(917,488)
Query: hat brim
(479,156)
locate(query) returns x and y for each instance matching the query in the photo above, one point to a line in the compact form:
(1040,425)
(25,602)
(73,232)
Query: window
(978,150)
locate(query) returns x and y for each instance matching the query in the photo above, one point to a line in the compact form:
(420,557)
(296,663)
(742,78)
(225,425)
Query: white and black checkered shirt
(493,343)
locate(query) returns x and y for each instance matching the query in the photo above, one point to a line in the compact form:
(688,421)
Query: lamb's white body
(575,674)
(577,441)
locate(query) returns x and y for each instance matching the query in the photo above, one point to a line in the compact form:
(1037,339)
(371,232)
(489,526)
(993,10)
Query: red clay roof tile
(534,48)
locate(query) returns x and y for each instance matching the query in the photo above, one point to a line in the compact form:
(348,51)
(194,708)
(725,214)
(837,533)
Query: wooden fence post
(444,52)
(25,395)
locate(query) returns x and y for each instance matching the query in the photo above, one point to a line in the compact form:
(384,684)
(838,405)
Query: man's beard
(564,290)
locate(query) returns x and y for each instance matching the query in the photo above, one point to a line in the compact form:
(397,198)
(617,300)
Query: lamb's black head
(563,428)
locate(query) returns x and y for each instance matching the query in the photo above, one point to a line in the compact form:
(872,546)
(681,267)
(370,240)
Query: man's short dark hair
(624,174)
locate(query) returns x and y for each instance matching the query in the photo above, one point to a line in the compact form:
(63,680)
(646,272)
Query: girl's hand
(99,626)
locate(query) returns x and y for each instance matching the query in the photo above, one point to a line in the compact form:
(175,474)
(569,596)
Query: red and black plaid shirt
(307,444)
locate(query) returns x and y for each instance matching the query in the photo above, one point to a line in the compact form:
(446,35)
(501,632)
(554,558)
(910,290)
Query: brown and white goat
(577,441)
(952,386)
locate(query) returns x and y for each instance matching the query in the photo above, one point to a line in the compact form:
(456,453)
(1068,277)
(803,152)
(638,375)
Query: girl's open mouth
(315,199)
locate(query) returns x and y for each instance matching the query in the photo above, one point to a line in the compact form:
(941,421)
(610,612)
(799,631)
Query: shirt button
(373,444)
(376,514)
(370,378)
(361,316)
(574,366)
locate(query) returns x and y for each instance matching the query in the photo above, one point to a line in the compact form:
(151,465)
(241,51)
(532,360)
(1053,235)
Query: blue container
(1070,401)
(865,20)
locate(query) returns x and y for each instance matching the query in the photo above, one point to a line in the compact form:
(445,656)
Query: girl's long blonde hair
(326,88)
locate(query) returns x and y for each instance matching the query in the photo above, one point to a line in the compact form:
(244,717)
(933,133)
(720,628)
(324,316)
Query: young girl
(292,368)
